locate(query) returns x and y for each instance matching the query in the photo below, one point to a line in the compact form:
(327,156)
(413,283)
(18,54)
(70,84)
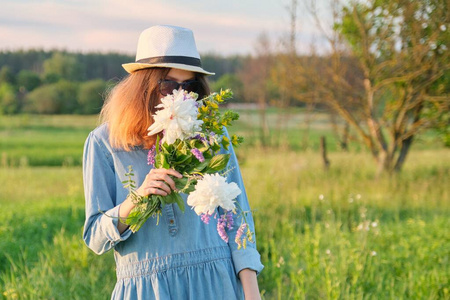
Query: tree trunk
(381,163)
(345,136)
(406,145)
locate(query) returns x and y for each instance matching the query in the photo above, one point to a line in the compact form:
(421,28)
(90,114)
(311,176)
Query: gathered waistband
(176,260)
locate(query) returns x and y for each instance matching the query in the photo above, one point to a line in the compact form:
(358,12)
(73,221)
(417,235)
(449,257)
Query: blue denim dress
(181,257)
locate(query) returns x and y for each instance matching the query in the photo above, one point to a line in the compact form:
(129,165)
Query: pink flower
(229,220)
(151,156)
(205,218)
(221,224)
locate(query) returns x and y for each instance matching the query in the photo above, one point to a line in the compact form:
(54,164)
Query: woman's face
(178,79)
(180,75)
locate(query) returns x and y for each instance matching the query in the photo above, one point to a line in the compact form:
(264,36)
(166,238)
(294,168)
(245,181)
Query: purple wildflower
(199,137)
(221,224)
(151,156)
(198,154)
(205,218)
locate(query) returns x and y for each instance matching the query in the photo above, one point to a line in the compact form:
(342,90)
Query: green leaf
(180,183)
(171,198)
(179,200)
(199,168)
(225,142)
(167,149)
(218,163)
(215,147)
(191,187)
(164,161)
(181,159)
(158,160)
(132,216)
(157,144)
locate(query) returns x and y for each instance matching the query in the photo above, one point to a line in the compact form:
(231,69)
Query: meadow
(337,234)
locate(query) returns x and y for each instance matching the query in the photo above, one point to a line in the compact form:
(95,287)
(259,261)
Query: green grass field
(341,234)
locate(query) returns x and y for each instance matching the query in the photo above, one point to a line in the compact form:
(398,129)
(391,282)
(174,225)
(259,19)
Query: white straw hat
(167,47)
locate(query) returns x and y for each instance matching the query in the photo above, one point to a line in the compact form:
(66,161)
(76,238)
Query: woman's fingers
(161,185)
(166,178)
(159,182)
(163,174)
(155,191)
(154,187)
(167,171)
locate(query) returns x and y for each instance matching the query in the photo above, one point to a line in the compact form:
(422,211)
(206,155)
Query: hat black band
(186,60)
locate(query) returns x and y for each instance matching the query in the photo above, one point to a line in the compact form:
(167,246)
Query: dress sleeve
(248,258)
(100,231)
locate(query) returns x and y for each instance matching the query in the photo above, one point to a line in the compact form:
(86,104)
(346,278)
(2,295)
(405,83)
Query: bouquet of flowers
(192,136)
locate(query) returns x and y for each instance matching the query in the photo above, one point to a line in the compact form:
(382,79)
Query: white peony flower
(177,117)
(211,192)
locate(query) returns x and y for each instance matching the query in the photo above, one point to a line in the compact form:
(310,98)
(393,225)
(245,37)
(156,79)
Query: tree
(232,82)
(287,74)
(90,97)
(8,100)
(28,80)
(6,76)
(255,76)
(63,65)
(221,65)
(399,51)
(56,98)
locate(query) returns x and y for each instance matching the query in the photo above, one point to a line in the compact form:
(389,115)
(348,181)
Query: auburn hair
(129,107)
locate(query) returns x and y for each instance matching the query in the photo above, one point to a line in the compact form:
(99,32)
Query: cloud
(114,25)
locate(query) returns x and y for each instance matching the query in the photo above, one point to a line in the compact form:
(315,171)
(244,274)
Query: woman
(181,257)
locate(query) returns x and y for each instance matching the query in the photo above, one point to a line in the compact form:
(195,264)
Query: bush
(63,65)
(6,76)
(90,96)
(56,98)
(230,81)
(28,80)
(8,100)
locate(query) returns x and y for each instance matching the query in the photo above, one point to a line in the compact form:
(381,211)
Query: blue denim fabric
(181,258)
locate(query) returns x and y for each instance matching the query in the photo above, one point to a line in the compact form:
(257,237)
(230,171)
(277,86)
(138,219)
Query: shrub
(56,98)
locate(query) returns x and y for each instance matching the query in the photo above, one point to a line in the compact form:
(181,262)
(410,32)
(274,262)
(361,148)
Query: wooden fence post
(323,151)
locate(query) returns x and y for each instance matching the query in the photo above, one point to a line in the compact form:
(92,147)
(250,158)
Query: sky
(223,27)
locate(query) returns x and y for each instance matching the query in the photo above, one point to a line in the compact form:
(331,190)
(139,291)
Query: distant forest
(61,82)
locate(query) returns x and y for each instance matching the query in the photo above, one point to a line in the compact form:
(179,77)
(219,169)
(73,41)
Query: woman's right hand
(157,182)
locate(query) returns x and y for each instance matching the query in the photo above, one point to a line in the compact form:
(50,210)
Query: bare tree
(385,58)
(255,76)
(285,74)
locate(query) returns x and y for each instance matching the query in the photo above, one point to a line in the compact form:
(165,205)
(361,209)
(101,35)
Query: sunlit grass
(344,233)
(336,234)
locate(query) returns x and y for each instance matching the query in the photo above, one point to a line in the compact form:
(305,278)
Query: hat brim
(131,67)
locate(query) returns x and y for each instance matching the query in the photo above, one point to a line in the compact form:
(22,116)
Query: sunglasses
(166,87)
